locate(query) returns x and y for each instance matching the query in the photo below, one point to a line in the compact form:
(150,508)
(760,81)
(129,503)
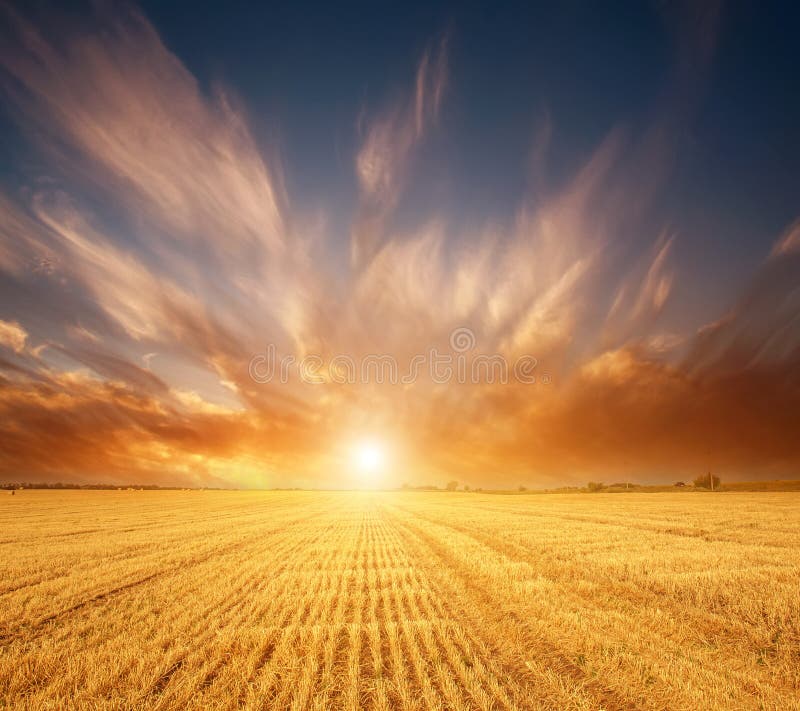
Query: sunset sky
(612,195)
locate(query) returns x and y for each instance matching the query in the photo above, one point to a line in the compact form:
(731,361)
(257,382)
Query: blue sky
(305,72)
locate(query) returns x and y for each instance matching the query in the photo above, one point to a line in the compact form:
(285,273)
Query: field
(295,600)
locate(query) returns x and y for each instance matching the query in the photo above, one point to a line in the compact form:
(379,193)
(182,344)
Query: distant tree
(595,486)
(522,488)
(466,487)
(452,485)
(708,481)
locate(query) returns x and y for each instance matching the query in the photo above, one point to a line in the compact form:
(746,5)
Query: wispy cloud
(13,336)
(383,160)
(163,252)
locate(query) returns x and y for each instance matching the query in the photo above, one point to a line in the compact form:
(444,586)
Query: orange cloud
(13,336)
(131,328)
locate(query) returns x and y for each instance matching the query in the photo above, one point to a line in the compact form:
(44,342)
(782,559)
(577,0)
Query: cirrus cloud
(163,252)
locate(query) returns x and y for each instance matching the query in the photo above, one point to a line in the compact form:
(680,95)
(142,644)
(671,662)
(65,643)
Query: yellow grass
(303,600)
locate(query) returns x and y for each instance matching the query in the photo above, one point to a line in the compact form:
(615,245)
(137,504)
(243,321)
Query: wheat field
(328,600)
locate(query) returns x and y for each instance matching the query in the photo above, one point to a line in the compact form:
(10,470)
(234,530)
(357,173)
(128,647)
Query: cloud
(763,326)
(130,108)
(789,241)
(162,252)
(383,160)
(13,336)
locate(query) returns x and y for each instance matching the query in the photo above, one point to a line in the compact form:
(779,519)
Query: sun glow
(369,457)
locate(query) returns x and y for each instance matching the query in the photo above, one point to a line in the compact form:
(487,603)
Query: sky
(374,244)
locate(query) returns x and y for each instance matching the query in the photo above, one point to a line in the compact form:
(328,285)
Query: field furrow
(371,600)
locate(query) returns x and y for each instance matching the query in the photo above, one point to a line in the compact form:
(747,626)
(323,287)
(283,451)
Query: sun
(369,458)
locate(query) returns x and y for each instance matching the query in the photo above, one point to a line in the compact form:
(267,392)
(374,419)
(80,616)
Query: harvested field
(328,600)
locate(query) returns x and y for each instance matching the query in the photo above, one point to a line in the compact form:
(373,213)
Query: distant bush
(595,486)
(522,488)
(452,485)
(704,481)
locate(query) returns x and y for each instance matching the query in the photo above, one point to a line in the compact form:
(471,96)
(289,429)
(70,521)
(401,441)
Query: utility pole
(710,475)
